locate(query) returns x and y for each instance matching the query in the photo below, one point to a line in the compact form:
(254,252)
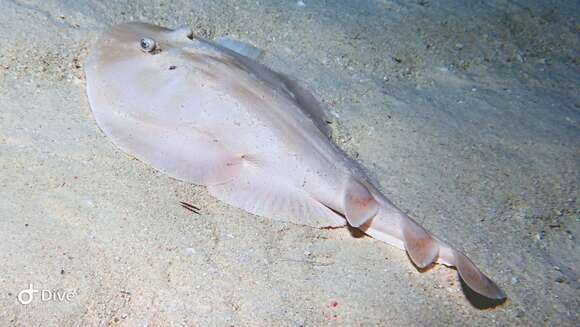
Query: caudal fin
(475,279)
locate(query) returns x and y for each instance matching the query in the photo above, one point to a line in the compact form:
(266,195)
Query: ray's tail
(369,211)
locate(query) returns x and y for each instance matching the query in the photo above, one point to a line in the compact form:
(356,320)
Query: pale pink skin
(255,138)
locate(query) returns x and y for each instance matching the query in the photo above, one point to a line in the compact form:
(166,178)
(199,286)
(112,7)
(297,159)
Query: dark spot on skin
(172,67)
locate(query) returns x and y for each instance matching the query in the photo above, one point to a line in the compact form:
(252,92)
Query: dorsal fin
(420,245)
(359,203)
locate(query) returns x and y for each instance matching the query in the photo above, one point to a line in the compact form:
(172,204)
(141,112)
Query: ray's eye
(147,44)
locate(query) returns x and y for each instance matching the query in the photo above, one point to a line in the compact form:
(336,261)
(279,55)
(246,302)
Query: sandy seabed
(465,113)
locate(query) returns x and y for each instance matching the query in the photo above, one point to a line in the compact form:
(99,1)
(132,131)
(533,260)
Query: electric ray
(209,113)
